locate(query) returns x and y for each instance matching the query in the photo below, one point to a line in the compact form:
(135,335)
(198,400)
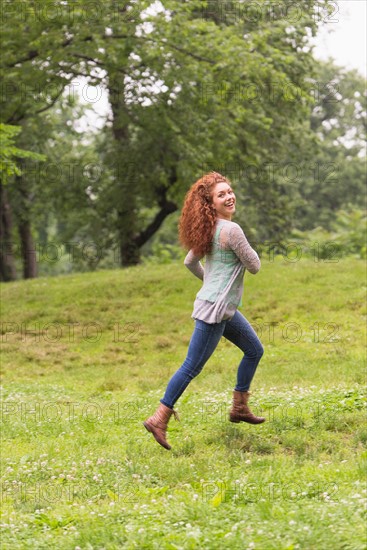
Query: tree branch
(51,104)
(35,53)
(78,73)
(182,50)
(167,208)
(31,55)
(87,58)
(14,120)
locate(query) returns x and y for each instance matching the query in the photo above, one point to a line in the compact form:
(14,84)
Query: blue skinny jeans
(204,340)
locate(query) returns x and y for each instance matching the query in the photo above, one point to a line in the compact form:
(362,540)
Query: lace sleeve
(242,248)
(193,263)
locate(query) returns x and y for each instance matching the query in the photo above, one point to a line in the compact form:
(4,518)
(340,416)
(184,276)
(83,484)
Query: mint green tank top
(223,274)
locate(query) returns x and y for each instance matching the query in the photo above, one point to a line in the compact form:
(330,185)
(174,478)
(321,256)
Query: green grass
(79,471)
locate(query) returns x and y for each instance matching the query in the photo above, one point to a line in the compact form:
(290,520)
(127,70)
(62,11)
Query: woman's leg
(239,331)
(203,342)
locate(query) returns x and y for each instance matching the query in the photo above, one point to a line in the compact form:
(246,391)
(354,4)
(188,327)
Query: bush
(348,237)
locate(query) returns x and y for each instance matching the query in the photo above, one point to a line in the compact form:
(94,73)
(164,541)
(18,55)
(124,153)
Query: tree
(53,199)
(188,84)
(335,179)
(10,157)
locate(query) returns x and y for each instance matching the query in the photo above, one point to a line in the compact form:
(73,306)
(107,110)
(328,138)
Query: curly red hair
(198,216)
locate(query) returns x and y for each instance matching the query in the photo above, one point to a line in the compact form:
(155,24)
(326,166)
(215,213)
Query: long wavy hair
(198,216)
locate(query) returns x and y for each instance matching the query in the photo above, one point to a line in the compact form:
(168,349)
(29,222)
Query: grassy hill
(85,359)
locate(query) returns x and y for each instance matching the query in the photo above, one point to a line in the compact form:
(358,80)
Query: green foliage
(209,86)
(163,254)
(335,176)
(9,153)
(205,115)
(349,237)
(52,191)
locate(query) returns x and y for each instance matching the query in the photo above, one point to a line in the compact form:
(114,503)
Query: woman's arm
(242,248)
(193,263)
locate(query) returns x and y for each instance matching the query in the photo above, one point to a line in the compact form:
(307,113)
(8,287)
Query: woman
(206,229)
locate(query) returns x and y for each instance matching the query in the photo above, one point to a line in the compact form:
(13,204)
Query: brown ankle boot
(157,424)
(240,411)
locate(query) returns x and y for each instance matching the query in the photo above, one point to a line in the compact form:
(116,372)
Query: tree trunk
(23,214)
(28,250)
(7,264)
(129,251)
(129,240)
(124,175)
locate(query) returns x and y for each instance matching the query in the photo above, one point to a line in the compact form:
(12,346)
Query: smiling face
(224,200)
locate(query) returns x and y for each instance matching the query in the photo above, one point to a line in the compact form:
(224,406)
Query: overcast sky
(342,37)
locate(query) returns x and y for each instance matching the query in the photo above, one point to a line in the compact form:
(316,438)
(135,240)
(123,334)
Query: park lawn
(86,358)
